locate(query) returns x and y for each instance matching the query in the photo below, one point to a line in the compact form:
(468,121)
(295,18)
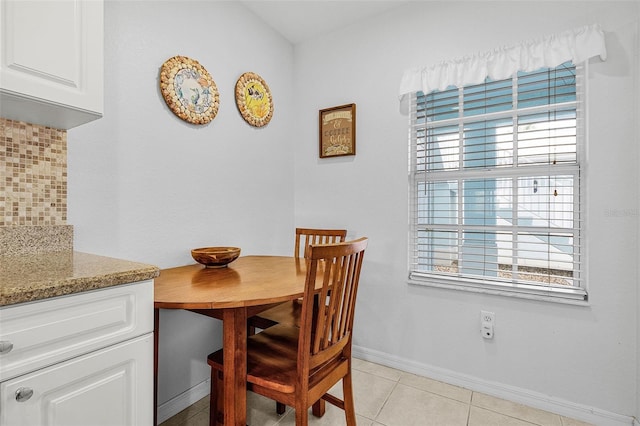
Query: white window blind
(496,184)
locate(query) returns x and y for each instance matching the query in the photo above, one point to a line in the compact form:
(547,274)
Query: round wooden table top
(247,281)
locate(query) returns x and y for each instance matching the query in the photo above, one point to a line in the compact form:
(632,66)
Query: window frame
(570,295)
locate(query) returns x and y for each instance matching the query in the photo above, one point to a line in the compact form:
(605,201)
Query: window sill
(552,294)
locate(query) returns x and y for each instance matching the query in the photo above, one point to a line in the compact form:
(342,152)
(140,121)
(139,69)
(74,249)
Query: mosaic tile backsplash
(33,174)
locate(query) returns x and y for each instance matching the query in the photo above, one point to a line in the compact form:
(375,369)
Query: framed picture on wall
(337,127)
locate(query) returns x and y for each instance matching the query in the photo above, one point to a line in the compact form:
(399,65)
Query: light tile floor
(388,397)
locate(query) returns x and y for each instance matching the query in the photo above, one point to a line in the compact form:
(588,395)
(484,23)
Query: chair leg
(212,398)
(349,407)
(215,415)
(280,408)
(319,408)
(302,417)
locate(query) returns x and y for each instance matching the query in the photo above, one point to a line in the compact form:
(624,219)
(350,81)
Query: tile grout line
(395,386)
(439,394)
(508,415)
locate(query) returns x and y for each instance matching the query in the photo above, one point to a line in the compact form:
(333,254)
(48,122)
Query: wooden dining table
(232,294)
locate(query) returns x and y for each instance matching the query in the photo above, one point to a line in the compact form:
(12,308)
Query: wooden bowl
(215,257)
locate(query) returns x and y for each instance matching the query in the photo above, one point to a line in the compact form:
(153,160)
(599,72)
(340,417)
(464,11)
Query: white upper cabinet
(51,61)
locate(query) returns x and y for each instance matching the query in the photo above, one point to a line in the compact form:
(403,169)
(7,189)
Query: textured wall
(147,186)
(546,354)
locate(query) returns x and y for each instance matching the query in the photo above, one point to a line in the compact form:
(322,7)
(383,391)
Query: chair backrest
(325,329)
(307,236)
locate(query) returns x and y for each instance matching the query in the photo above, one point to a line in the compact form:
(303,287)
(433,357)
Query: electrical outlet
(487,330)
(486,316)
(487,322)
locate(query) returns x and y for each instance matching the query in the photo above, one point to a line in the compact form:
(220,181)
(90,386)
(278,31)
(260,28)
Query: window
(496,186)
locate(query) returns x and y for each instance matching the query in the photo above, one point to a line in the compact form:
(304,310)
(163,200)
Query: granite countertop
(31,277)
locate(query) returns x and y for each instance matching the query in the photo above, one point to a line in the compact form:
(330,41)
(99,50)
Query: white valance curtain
(576,45)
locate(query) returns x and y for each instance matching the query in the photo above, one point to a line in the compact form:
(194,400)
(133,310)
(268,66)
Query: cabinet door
(51,64)
(109,387)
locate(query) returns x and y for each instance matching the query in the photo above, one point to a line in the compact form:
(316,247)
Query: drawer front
(38,334)
(108,387)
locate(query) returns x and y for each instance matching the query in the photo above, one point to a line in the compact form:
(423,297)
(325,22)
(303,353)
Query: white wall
(147,186)
(584,356)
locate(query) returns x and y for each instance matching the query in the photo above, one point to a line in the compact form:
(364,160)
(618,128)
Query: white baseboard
(533,399)
(182,401)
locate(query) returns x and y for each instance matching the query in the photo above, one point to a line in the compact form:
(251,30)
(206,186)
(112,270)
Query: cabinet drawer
(46,332)
(108,387)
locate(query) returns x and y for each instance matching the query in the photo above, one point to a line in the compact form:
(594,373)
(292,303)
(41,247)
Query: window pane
(488,144)
(547,86)
(492,96)
(546,201)
(437,203)
(479,254)
(546,258)
(487,202)
(438,105)
(547,138)
(439,149)
(437,251)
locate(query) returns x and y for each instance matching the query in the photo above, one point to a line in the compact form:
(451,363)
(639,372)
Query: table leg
(156,332)
(234,324)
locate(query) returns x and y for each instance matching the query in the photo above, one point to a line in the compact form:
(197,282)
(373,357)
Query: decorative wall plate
(253,99)
(189,90)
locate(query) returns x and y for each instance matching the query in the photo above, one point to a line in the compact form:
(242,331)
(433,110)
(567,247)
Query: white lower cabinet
(109,387)
(79,360)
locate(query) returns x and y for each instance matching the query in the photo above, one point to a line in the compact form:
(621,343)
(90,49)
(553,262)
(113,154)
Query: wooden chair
(298,365)
(289,312)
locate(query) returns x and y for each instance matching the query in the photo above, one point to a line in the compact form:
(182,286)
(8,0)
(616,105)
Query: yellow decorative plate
(254,100)
(189,90)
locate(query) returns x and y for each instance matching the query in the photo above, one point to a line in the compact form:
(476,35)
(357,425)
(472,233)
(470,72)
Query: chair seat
(285,313)
(271,360)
